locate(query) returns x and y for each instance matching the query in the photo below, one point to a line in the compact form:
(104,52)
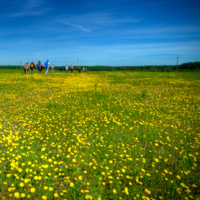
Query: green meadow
(100,135)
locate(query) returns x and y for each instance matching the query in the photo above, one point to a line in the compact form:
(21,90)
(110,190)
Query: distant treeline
(190,66)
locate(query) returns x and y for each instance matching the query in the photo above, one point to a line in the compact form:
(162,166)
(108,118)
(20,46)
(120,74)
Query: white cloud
(95,21)
(77,26)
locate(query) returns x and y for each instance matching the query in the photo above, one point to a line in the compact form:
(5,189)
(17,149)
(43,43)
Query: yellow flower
(147,191)
(71,184)
(80,178)
(193,185)
(178,190)
(126,191)
(26,180)
(17,195)
(43,149)
(178,177)
(183,185)
(55,195)
(21,184)
(32,190)
(46,187)
(44,197)
(23,195)
(114,191)
(51,189)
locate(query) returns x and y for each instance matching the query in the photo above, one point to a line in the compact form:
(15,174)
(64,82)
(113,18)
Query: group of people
(40,66)
(66,68)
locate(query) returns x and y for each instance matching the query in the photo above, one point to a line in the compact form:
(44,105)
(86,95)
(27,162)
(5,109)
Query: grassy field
(100,135)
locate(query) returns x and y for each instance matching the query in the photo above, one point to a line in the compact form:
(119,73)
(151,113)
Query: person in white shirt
(66,68)
(52,67)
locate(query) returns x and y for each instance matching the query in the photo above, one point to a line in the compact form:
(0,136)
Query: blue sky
(101,32)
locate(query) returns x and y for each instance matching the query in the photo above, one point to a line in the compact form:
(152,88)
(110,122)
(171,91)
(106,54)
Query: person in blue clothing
(47,64)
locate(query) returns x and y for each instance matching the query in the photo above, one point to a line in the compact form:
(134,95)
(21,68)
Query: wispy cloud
(77,26)
(30,8)
(128,20)
(95,21)
(28,13)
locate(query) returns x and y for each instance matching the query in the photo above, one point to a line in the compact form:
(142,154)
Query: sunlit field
(100,135)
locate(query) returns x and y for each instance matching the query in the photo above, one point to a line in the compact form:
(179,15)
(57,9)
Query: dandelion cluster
(100,135)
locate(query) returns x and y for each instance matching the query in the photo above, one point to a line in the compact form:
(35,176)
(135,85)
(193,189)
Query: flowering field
(100,135)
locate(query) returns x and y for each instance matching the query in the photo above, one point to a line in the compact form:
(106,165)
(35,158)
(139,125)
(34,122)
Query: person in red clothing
(71,68)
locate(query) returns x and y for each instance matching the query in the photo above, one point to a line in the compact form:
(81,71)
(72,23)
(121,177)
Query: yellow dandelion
(44,197)
(126,191)
(17,195)
(147,191)
(178,177)
(21,184)
(55,195)
(46,187)
(23,195)
(71,184)
(32,190)
(43,149)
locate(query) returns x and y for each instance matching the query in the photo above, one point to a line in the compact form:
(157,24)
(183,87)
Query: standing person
(83,69)
(27,67)
(47,64)
(32,67)
(52,67)
(24,68)
(79,69)
(66,68)
(71,68)
(39,66)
